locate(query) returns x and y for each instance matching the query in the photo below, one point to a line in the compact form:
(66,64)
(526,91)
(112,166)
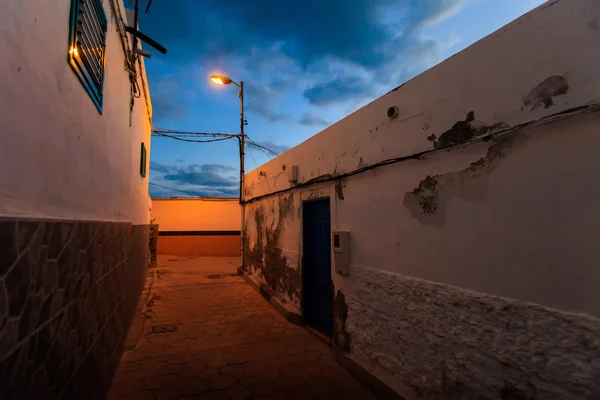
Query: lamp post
(223,80)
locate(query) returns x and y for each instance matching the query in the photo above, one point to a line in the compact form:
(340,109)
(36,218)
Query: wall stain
(542,94)
(266,258)
(361,163)
(550,4)
(340,313)
(396,88)
(463,131)
(314,194)
(593,25)
(428,201)
(339,190)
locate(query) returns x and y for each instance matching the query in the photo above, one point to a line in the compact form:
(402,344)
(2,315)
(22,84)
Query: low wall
(198,227)
(210,244)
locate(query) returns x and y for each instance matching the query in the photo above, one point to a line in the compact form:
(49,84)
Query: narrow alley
(227,342)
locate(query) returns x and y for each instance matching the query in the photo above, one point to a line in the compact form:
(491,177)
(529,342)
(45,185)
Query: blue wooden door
(317,285)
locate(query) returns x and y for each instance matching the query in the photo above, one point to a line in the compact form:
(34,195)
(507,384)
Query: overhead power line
(250,145)
(217,137)
(176,132)
(261,147)
(192,140)
(175,190)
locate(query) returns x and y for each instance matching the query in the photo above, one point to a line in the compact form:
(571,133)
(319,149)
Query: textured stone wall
(450,343)
(64,308)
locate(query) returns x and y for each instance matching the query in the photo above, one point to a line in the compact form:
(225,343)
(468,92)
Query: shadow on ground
(219,339)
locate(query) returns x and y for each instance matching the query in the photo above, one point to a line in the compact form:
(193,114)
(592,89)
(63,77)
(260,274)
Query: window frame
(76,62)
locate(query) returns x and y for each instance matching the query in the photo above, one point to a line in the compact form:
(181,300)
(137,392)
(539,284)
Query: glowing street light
(224,80)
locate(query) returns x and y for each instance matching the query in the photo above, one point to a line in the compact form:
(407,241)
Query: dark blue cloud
(310,119)
(203,175)
(260,99)
(371,35)
(207,180)
(271,145)
(337,90)
(308,30)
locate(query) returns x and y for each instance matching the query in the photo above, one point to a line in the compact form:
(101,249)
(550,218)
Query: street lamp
(224,80)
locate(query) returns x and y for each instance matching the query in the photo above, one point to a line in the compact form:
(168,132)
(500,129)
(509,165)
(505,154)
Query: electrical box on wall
(341,251)
(292,173)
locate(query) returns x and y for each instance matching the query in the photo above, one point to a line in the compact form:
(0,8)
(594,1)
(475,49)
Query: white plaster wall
(474,268)
(490,78)
(59,158)
(524,228)
(522,232)
(196,214)
(140,132)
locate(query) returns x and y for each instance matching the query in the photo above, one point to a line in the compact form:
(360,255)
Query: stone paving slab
(228,344)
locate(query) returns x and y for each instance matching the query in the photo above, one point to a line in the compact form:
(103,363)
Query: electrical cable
(175,190)
(252,155)
(266,149)
(250,145)
(420,155)
(258,146)
(213,134)
(190,140)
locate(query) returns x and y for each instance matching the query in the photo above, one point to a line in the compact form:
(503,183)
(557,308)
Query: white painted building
(470,200)
(74,204)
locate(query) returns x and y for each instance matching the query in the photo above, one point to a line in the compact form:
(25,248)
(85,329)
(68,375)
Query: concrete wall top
(523,72)
(59,157)
(205,214)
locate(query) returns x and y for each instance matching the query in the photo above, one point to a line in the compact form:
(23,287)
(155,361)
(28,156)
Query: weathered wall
(74,209)
(473,261)
(451,343)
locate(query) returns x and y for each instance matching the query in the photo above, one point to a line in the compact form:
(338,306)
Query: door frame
(302,274)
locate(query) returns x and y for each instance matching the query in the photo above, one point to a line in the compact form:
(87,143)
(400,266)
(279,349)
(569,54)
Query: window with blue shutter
(87,44)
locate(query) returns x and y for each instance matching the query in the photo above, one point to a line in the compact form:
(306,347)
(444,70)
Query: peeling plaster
(428,202)
(340,313)
(339,190)
(463,131)
(266,258)
(550,4)
(542,94)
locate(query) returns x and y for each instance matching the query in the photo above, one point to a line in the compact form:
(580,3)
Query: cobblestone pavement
(228,343)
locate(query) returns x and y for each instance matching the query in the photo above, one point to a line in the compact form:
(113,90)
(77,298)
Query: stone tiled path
(228,344)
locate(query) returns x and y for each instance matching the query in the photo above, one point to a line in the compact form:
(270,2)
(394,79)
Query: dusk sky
(306,64)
